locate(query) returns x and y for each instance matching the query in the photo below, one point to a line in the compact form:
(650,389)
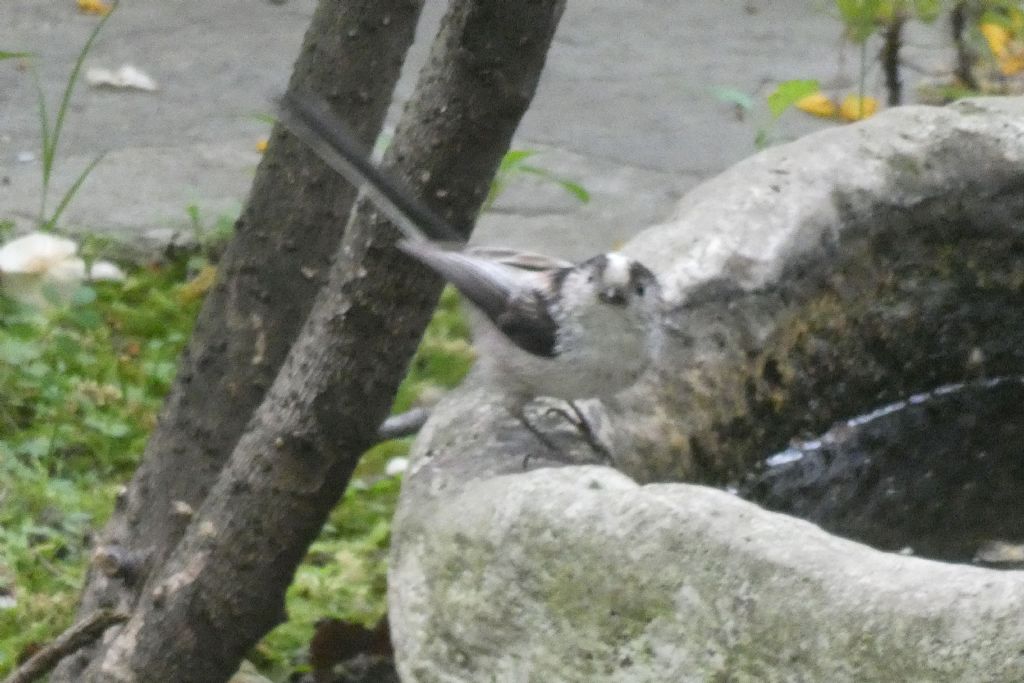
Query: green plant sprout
(51,130)
(211,238)
(513,164)
(784,96)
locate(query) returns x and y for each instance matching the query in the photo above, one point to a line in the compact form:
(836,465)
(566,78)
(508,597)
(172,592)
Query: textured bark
(223,587)
(267,280)
(958,19)
(890,58)
(75,638)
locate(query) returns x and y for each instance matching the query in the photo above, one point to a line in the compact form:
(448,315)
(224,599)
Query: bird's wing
(524,260)
(514,299)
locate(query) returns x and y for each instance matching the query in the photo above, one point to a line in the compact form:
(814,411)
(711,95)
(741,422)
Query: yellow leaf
(1011,63)
(261,145)
(818,104)
(94,7)
(199,285)
(855,107)
(996,36)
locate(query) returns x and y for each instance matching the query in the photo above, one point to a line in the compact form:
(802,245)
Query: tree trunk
(267,280)
(890,58)
(958,20)
(223,586)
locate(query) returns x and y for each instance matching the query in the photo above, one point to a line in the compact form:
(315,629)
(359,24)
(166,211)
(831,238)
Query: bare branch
(73,639)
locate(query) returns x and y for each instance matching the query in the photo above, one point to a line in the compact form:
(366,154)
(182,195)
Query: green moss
(610,609)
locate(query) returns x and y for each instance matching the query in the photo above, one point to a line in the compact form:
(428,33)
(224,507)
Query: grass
(80,387)
(50,132)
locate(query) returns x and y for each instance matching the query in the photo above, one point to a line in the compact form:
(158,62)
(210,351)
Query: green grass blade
(263,118)
(575,189)
(14,55)
(46,158)
(514,157)
(69,195)
(65,99)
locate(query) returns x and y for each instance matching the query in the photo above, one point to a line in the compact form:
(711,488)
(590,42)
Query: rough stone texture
(582,575)
(810,283)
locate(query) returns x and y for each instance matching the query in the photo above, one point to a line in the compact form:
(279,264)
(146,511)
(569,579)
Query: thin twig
(73,639)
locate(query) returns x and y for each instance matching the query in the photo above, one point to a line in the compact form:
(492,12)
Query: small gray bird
(547,327)
(542,326)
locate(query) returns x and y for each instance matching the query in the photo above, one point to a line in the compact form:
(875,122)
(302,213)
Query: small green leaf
(514,157)
(85,318)
(52,294)
(927,10)
(83,296)
(264,118)
(734,96)
(859,17)
(16,352)
(35,447)
(14,55)
(569,186)
(108,427)
(997,18)
(788,93)
(576,190)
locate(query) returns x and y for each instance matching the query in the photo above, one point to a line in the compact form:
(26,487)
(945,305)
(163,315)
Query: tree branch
(72,640)
(223,587)
(267,281)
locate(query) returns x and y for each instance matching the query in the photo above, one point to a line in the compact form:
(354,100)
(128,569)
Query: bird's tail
(310,119)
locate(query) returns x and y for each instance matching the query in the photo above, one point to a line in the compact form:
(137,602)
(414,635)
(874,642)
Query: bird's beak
(613,295)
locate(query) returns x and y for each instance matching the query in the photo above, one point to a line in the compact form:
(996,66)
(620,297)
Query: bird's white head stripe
(616,270)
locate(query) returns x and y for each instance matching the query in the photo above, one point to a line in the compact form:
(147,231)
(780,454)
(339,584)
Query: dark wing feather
(522,260)
(528,323)
(508,296)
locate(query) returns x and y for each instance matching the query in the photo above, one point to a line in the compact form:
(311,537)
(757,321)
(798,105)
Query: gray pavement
(625,107)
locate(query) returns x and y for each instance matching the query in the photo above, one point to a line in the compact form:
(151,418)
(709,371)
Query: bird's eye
(639,289)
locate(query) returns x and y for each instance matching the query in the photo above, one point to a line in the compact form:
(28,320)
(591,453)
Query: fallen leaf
(94,7)
(126,77)
(997,37)
(198,286)
(855,107)
(1011,64)
(817,104)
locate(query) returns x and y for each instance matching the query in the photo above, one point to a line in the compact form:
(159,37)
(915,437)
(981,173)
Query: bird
(542,326)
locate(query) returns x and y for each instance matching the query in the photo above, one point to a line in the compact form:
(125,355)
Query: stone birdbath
(846,338)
